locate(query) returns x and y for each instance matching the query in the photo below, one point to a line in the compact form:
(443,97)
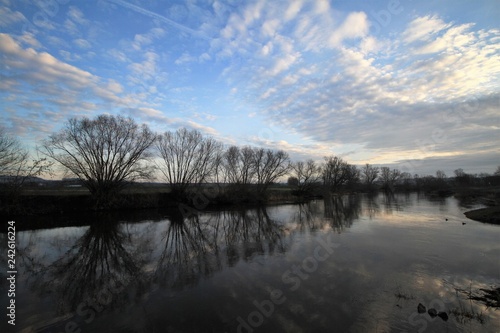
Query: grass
(463,314)
(488,215)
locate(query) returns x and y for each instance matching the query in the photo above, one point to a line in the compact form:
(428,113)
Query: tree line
(108,152)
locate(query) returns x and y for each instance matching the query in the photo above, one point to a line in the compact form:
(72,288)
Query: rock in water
(443,315)
(421,308)
(432,312)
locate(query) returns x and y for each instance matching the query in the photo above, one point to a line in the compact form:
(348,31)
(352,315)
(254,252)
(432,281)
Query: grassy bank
(43,201)
(73,200)
(488,215)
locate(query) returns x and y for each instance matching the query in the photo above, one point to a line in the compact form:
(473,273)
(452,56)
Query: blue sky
(410,84)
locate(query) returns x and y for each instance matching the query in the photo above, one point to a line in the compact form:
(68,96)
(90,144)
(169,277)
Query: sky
(407,84)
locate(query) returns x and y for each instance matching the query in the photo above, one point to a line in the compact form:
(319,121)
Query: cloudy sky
(411,84)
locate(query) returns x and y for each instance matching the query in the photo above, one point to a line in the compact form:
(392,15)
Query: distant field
(142,189)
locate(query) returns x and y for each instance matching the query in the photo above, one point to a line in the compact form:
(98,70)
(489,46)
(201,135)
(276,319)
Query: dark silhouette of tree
(292,181)
(370,174)
(188,158)
(353,176)
(238,165)
(250,170)
(462,178)
(105,153)
(389,177)
(17,170)
(336,172)
(440,175)
(269,166)
(12,155)
(308,175)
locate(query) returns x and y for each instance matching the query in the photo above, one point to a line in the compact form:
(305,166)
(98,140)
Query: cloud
(389,91)
(293,9)
(77,16)
(423,29)
(42,66)
(82,43)
(161,18)
(118,55)
(29,39)
(159,120)
(147,69)
(354,26)
(8,17)
(146,39)
(185,58)
(61,86)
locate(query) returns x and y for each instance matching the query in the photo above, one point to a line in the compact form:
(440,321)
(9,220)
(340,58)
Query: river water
(355,263)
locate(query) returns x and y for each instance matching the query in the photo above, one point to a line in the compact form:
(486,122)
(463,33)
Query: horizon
(411,86)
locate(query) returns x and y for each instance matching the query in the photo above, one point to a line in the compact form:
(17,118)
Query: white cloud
(370,44)
(159,118)
(8,17)
(29,39)
(423,28)
(147,68)
(42,66)
(118,55)
(82,43)
(270,27)
(354,26)
(321,6)
(114,87)
(361,82)
(284,63)
(61,85)
(185,58)
(146,39)
(293,9)
(77,16)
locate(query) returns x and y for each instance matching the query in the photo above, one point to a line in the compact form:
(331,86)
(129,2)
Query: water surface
(356,263)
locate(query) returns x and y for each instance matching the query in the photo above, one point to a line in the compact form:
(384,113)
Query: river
(357,263)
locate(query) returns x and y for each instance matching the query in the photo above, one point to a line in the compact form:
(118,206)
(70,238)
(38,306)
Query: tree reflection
(372,208)
(188,253)
(99,261)
(247,233)
(307,216)
(196,247)
(341,211)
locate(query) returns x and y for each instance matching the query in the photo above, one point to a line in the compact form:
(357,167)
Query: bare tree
(336,172)
(293,181)
(188,158)
(105,153)
(389,177)
(440,175)
(353,175)
(238,165)
(406,179)
(15,163)
(308,175)
(370,173)
(462,178)
(11,153)
(269,166)
(497,172)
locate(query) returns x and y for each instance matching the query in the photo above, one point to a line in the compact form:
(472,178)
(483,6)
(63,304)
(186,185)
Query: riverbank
(36,202)
(64,200)
(487,215)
